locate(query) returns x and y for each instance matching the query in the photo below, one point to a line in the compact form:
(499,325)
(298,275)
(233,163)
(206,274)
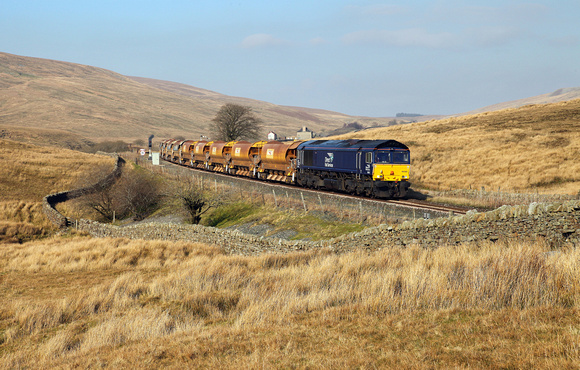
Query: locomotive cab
(391,171)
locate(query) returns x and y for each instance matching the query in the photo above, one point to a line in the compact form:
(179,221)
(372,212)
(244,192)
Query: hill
(535,148)
(103,105)
(564,94)
(70,300)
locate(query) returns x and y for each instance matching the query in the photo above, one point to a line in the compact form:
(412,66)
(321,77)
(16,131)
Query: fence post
(303,202)
(275,200)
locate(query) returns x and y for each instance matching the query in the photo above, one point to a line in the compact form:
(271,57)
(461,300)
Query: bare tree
(135,194)
(102,198)
(193,200)
(139,193)
(235,122)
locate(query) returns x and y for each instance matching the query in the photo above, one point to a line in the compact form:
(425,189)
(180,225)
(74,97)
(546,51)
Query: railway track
(414,204)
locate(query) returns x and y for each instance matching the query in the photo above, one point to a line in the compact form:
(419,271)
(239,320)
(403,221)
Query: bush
(136,194)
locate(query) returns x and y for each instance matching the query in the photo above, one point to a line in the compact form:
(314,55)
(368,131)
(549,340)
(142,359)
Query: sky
(369,58)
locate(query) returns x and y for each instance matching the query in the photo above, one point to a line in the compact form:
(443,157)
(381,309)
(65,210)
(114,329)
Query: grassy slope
(533,148)
(82,302)
(28,173)
(100,104)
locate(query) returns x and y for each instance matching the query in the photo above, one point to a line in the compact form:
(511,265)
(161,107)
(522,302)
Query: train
(372,168)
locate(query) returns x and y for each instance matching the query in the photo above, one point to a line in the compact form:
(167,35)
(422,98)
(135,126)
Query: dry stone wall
(50,201)
(557,223)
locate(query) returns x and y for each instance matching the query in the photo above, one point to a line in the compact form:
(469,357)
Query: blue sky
(372,58)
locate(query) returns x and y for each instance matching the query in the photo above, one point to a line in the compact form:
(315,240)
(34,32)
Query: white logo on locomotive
(328,160)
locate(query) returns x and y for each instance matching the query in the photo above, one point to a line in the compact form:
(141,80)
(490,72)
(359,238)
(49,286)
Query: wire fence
(495,199)
(271,194)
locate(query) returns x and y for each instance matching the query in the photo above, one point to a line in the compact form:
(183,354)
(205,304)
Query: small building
(305,134)
(272,136)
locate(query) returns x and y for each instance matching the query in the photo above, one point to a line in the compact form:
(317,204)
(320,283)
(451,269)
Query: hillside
(100,104)
(535,148)
(70,300)
(560,95)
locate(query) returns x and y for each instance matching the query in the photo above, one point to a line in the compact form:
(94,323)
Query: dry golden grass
(118,302)
(533,148)
(30,172)
(82,302)
(99,104)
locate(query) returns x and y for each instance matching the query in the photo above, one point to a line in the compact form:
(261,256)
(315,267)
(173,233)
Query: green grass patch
(306,225)
(311,226)
(229,214)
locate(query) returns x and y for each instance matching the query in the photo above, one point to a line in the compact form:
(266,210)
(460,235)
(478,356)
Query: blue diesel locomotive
(374,168)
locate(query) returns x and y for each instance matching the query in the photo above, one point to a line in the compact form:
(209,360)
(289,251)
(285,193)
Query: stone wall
(557,223)
(50,201)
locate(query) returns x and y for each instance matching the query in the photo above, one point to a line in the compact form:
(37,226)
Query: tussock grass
(83,302)
(529,149)
(22,221)
(176,293)
(27,174)
(87,254)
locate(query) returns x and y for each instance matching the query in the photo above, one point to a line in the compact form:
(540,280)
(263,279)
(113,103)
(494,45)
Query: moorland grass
(30,172)
(84,302)
(154,302)
(529,149)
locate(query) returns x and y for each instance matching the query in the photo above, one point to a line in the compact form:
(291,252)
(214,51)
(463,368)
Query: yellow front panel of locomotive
(391,172)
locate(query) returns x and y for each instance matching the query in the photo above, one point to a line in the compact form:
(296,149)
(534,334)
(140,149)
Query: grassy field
(27,174)
(530,149)
(112,302)
(74,301)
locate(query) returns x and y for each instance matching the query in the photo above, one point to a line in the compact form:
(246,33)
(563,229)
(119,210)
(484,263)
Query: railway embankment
(556,223)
